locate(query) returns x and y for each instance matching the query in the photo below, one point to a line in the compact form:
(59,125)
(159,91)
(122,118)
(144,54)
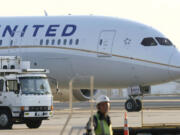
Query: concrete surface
(156,115)
(55,124)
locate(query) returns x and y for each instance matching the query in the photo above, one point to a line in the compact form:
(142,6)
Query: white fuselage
(78,47)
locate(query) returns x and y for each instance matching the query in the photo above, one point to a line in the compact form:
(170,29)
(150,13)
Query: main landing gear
(133,105)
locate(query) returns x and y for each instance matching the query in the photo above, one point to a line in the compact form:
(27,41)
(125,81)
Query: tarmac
(148,117)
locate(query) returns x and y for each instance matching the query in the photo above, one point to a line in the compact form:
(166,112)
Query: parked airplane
(117,52)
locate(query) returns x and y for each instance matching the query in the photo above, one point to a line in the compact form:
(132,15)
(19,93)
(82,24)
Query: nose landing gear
(134,104)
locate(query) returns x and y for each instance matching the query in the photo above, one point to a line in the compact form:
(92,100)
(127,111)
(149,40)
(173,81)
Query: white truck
(25,94)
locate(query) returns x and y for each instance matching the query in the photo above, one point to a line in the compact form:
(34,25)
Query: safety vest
(102,127)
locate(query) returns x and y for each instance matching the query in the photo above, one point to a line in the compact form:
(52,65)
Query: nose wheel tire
(138,105)
(5,120)
(132,105)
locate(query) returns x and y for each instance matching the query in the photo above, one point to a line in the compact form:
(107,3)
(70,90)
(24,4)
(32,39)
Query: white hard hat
(101,99)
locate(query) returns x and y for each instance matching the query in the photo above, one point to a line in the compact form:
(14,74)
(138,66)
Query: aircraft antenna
(46,14)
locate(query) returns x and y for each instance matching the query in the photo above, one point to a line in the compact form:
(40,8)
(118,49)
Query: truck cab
(25,96)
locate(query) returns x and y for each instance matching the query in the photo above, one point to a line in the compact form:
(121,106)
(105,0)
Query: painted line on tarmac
(156,100)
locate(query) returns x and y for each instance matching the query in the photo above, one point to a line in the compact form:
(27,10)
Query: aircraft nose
(174,65)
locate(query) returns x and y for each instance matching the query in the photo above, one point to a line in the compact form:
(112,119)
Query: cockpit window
(164,41)
(148,42)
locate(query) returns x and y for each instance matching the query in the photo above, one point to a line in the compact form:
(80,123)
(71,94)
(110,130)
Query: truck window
(12,85)
(1,85)
(34,85)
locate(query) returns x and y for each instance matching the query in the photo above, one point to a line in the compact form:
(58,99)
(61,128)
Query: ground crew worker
(101,120)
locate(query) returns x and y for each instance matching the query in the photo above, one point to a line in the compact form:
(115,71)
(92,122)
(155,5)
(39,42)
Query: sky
(163,15)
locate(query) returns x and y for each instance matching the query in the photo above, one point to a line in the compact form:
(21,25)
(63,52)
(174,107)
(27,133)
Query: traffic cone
(126,130)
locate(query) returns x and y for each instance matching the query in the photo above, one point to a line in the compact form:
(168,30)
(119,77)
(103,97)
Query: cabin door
(105,43)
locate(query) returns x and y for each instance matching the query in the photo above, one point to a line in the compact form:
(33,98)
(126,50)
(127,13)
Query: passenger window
(59,41)
(70,42)
(11,42)
(0,42)
(47,41)
(77,41)
(148,42)
(65,41)
(164,41)
(100,43)
(1,85)
(53,41)
(41,42)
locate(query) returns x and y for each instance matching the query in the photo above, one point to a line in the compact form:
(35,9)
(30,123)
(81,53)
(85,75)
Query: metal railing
(71,108)
(79,130)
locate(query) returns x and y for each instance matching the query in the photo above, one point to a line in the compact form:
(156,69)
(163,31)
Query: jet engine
(77,94)
(83,94)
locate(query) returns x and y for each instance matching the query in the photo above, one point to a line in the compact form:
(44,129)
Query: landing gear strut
(133,105)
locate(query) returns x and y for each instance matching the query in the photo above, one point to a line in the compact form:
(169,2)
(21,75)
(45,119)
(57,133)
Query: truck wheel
(33,123)
(5,120)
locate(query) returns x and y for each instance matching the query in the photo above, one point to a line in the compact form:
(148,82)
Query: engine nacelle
(83,94)
(78,95)
(63,94)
